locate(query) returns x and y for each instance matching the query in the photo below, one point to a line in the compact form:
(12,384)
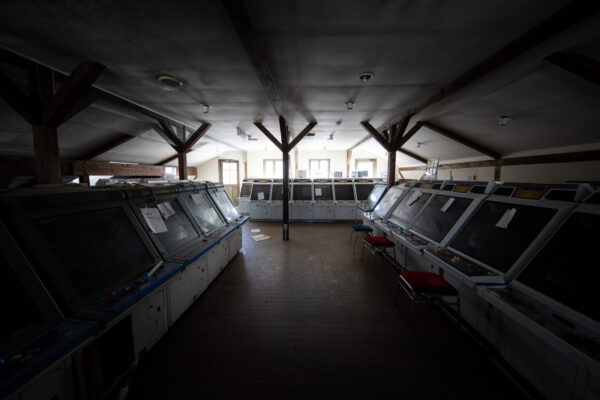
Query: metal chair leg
(362,252)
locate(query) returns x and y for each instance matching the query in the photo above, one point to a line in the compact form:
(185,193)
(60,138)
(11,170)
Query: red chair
(426,288)
(378,245)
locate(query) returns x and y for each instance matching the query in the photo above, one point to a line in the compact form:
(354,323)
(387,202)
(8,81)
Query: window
(366,164)
(229,172)
(273,168)
(318,169)
(170,173)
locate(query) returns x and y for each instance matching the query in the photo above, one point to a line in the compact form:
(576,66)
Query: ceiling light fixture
(365,76)
(205,108)
(504,120)
(169,82)
(350,104)
(338,122)
(419,145)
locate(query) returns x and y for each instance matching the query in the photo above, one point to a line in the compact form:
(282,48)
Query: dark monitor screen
(566,269)
(501,247)
(435,223)
(594,199)
(277,192)
(180,230)
(19,313)
(97,251)
(344,191)
(264,188)
(302,192)
(246,188)
(363,190)
(408,208)
(323,192)
(203,211)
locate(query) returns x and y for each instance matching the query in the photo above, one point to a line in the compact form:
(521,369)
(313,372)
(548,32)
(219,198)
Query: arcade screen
(246,188)
(408,208)
(277,192)
(19,313)
(180,230)
(323,192)
(264,188)
(344,191)
(363,190)
(439,216)
(388,201)
(500,247)
(566,267)
(225,204)
(97,251)
(203,211)
(374,196)
(302,192)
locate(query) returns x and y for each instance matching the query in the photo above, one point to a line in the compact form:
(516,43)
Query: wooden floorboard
(305,319)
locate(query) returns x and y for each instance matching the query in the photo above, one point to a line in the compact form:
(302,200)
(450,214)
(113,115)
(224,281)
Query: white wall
(209,170)
(337,160)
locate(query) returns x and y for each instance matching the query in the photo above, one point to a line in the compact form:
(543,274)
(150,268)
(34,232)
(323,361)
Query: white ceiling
(316,50)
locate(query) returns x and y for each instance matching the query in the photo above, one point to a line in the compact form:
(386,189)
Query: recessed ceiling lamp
(365,76)
(504,120)
(350,104)
(205,108)
(169,82)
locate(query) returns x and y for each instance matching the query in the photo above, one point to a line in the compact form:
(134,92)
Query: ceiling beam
(361,141)
(168,160)
(196,136)
(82,168)
(285,133)
(579,156)
(70,92)
(462,140)
(578,64)
(30,64)
(408,135)
(301,135)
(413,155)
(169,135)
(561,20)
(238,13)
(399,130)
(270,136)
(123,138)
(16,99)
(376,135)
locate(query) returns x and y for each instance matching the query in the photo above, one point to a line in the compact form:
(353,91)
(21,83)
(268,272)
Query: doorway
(229,176)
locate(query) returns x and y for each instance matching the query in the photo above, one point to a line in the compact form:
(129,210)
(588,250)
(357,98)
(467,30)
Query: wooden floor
(305,319)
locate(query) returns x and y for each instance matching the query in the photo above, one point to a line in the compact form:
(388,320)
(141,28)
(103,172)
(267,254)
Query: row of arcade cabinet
(91,279)
(339,199)
(523,258)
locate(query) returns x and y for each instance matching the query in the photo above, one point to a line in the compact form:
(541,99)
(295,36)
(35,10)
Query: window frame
(319,160)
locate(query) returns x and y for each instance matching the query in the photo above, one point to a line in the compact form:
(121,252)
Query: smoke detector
(205,108)
(365,76)
(504,120)
(350,104)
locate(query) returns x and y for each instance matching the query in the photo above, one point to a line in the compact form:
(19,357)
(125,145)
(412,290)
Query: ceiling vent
(311,134)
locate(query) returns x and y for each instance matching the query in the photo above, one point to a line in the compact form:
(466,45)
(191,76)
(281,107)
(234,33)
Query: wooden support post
(497,172)
(47,161)
(285,137)
(348,160)
(286,195)
(84,179)
(391,173)
(182,158)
